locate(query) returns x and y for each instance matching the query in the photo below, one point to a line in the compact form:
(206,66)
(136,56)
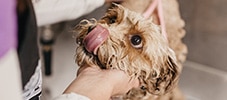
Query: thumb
(135,83)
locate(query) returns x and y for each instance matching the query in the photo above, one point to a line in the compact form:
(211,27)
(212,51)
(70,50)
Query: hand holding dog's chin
(100,84)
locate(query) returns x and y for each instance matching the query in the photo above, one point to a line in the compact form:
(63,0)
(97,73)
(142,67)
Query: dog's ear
(115,5)
(113,15)
(165,77)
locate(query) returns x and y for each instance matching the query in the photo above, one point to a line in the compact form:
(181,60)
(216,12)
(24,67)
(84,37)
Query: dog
(174,27)
(125,40)
(173,22)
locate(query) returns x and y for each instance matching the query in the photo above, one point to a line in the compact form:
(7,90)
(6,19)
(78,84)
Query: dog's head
(124,40)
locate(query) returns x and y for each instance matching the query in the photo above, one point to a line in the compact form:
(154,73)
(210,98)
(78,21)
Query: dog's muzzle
(95,38)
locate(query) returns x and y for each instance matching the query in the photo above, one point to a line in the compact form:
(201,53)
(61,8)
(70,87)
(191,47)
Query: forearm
(71,96)
(53,11)
(93,89)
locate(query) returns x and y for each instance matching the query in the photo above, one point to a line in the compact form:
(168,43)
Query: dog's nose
(89,24)
(93,24)
(90,28)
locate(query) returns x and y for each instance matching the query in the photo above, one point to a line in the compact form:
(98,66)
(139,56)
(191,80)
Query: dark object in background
(46,41)
(27,39)
(28,51)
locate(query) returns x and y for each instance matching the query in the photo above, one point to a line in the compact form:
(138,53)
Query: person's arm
(71,96)
(97,84)
(10,85)
(53,11)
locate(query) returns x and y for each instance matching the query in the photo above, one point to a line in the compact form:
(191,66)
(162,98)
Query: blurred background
(204,75)
(206,67)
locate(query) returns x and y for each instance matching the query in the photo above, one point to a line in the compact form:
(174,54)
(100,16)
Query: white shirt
(71,96)
(53,11)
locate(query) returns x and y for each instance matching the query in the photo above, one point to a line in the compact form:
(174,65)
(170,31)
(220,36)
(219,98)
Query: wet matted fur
(134,45)
(175,33)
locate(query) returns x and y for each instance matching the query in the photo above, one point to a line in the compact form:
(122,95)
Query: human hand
(98,84)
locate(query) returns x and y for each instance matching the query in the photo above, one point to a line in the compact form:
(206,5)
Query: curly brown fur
(175,32)
(172,16)
(152,61)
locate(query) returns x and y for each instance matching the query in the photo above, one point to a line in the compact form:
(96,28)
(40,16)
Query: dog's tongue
(95,38)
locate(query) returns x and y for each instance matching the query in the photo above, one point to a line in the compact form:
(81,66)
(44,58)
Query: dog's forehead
(132,17)
(126,17)
(125,14)
(131,23)
(134,23)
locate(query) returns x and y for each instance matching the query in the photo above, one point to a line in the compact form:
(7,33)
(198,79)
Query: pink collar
(157,4)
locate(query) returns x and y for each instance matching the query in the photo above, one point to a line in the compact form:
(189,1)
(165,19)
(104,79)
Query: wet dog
(127,41)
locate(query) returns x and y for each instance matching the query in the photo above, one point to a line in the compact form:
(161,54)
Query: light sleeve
(71,96)
(53,11)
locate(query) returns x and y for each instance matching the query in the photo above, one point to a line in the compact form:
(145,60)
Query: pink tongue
(95,38)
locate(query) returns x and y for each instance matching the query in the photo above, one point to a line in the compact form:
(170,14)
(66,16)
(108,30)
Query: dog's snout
(89,25)
(90,28)
(93,20)
(83,22)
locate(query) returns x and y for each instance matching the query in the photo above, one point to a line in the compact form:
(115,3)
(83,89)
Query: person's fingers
(86,68)
(121,81)
(135,83)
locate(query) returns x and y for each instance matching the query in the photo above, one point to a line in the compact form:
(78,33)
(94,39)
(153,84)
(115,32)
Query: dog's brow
(129,20)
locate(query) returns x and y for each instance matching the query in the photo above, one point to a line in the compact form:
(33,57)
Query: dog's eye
(112,19)
(136,41)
